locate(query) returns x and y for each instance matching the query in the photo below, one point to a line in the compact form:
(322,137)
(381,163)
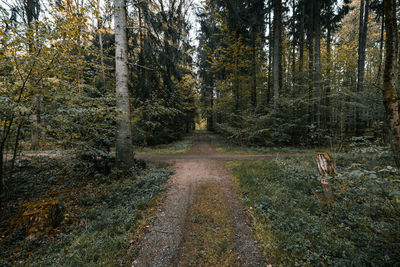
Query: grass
(209,233)
(295,227)
(178,147)
(101,215)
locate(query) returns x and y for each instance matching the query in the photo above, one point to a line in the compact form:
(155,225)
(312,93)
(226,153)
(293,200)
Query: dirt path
(170,241)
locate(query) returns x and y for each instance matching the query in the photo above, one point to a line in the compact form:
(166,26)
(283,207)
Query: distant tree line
(297,72)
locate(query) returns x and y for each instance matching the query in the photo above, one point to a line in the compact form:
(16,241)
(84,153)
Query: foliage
(163,80)
(295,227)
(100,214)
(308,112)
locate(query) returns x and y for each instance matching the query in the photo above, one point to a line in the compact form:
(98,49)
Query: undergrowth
(101,214)
(225,145)
(296,228)
(177,147)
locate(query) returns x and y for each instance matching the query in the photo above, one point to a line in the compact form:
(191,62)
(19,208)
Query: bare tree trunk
(124,150)
(270,39)
(100,27)
(293,50)
(277,49)
(328,84)
(103,73)
(326,167)
(390,98)
(15,151)
(362,42)
(317,77)
(35,139)
(301,43)
(310,75)
(254,65)
(236,82)
(378,76)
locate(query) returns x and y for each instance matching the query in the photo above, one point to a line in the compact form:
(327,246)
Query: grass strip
(209,237)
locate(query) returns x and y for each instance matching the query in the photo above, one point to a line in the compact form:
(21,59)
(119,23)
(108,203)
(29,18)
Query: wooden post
(326,167)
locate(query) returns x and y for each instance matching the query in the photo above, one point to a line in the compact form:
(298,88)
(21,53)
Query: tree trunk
(328,75)
(310,76)
(362,41)
(103,73)
(237,81)
(317,77)
(254,72)
(277,53)
(15,149)
(390,98)
(293,50)
(124,151)
(301,43)
(378,76)
(326,167)
(270,45)
(100,27)
(35,139)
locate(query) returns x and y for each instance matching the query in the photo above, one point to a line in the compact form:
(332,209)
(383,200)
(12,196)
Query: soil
(169,239)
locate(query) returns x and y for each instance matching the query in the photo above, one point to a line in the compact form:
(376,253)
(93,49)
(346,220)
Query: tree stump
(326,167)
(41,216)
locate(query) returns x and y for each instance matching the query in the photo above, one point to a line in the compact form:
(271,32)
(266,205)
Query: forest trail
(202,221)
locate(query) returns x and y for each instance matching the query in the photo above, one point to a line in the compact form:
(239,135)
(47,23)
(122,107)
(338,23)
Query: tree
(124,149)
(390,97)
(362,42)
(277,49)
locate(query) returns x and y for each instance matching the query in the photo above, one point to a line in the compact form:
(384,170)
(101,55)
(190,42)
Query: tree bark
(124,150)
(100,27)
(270,45)
(254,72)
(317,77)
(237,82)
(378,76)
(301,43)
(293,50)
(35,139)
(362,42)
(328,75)
(390,98)
(103,73)
(310,75)
(277,49)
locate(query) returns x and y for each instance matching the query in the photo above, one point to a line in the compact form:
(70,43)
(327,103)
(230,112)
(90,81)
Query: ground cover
(224,145)
(296,228)
(209,237)
(177,147)
(101,213)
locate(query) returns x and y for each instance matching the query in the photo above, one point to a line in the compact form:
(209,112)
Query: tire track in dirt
(161,245)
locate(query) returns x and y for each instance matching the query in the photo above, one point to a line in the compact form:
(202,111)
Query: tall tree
(390,97)
(31,9)
(362,42)
(255,18)
(317,76)
(124,149)
(277,49)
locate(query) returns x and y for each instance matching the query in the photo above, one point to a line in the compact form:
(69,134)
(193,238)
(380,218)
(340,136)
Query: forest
(219,113)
